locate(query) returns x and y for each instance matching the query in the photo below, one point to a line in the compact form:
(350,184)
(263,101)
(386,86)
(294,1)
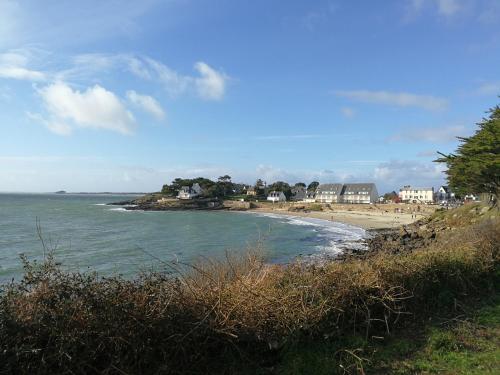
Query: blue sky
(126,95)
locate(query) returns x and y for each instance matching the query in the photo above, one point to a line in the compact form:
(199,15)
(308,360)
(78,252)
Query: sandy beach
(366,217)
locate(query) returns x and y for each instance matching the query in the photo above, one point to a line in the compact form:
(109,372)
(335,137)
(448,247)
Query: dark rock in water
(122,203)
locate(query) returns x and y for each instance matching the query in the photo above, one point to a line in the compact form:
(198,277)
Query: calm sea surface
(87,234)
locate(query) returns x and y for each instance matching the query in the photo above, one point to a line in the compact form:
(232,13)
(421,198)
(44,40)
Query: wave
(118,209)
(335,237)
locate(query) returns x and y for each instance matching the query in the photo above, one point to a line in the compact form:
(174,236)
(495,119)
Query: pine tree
(475,166)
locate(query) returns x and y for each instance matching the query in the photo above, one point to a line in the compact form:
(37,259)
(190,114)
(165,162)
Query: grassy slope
(469,344)
(466,342)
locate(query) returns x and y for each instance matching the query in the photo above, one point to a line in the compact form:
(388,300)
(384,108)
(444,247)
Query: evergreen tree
(475,166)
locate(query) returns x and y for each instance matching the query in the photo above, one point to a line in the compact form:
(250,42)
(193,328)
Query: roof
(275,193)
(335,188)
(355,188)
(299,193)
(415,188)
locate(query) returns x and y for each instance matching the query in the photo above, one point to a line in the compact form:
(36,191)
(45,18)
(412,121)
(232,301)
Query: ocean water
(86,234)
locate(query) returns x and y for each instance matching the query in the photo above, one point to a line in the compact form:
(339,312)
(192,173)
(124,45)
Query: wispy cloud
(488,88)
(210,84)
(14,65)
(434,135)
(69,23)
(448,7)
(316,17)
(286,137)
(95,108)
(397,99)
(408,172)
(348,112)
(147,103)
(445,8)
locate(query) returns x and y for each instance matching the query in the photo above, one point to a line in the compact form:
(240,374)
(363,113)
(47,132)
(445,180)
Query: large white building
(359,193)
(409,194)
(328,193)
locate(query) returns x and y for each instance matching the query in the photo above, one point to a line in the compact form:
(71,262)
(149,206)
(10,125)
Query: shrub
(197,319)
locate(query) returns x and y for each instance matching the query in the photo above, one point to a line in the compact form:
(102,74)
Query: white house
(276,196)
(310,197)
(359,193)
(190,192)
(421,195)
(444,195)
(328,193)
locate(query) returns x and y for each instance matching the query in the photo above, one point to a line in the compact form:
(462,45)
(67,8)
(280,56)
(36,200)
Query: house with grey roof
(328,193)
(276,196)
(359,193)
(298,193)
(444,195)
(190,192)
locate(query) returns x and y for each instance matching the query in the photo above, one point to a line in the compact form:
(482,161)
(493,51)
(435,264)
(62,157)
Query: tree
(300,184)
(281,186)
(475,166)
(313,186)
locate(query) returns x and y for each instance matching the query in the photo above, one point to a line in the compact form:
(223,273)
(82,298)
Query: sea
(85,234)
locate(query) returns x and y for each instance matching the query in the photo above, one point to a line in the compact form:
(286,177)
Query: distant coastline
(368,217)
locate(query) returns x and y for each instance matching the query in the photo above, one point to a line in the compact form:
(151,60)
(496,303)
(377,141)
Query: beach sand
(366,216)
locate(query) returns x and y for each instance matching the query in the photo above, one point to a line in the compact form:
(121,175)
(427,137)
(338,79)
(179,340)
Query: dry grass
(231,310)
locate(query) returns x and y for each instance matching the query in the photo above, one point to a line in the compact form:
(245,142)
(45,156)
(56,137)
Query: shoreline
(368,217)
(366,220)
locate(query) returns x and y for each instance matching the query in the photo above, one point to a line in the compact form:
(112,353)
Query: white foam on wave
(99,204)
(337,236)
(118,209)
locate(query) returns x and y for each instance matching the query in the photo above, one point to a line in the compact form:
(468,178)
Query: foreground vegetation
(241,315)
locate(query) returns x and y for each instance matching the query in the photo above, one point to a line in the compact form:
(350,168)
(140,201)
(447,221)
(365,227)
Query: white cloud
(396,173)
(95,108)
(399,99)
(209,85)
(440,134)
(13,64)
(147,103)
(212,84)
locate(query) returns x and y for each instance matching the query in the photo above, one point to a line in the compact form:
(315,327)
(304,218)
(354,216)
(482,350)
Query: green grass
(469,344)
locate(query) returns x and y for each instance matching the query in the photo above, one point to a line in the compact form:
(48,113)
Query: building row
(331,193)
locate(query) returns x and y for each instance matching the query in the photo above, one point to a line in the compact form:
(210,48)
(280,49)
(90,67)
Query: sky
(127,95)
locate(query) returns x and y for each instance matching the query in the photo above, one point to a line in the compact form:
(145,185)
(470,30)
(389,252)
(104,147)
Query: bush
(315,207)
(221,312)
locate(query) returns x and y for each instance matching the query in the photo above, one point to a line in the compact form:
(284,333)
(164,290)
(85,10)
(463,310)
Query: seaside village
(348,193)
